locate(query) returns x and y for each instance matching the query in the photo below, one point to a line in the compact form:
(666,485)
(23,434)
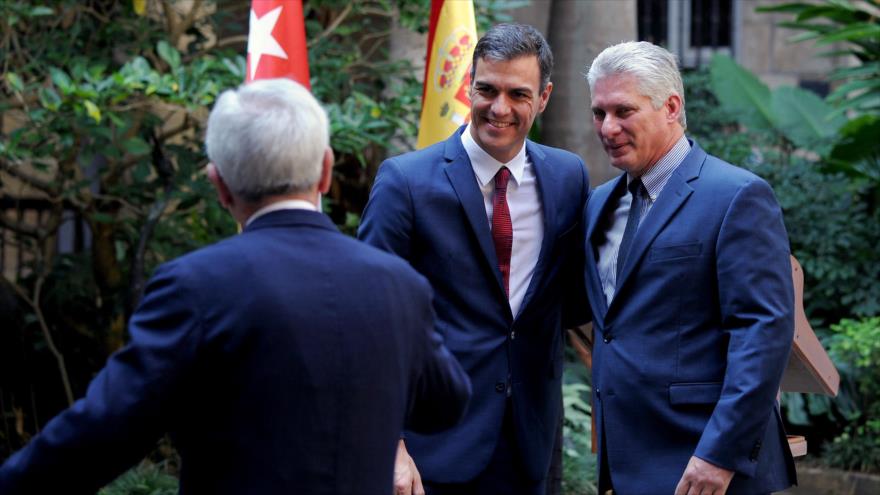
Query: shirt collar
(485,166)
(657,176)
(287,204)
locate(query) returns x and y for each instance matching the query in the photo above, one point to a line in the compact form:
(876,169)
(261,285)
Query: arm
(575,306)
(387,222)
(126,407)
(440,389)
(756,299)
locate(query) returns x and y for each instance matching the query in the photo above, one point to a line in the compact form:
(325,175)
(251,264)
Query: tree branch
(47,335)
(33,181)
(332,27)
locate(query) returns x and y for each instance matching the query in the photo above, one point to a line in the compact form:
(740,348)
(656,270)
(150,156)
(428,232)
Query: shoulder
(727,176)
(370,261)
(558,156)
(412,161)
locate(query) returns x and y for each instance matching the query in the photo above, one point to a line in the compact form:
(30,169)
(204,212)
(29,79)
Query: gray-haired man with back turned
(286,359)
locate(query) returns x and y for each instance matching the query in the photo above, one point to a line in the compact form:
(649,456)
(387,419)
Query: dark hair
(510,41)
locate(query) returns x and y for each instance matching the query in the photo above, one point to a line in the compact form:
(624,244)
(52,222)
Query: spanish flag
(277,41)
(446,103)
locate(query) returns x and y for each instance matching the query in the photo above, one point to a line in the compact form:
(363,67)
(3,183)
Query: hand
(703,478)
(407,480)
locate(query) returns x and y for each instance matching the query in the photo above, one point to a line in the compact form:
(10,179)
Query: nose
(609,126)
(500,105)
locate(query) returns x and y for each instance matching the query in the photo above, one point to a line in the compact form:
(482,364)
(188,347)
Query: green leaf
(41,11)
(853,32)
(136,146)
(741,93)
(61,80)
(49,99)
(858,140)
(92,111)
(804,118)
(14,81)
(868,69)
(857,85)
(169,54)
(103,217)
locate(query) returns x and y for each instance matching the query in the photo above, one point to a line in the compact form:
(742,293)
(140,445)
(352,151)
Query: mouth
(616,148)
(499,124)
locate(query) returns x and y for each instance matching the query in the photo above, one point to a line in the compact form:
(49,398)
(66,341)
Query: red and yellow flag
(277,41)
(446,103)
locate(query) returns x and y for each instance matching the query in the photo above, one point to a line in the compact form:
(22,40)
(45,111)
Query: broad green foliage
(855,347)
(856,26)
(856,23)
(798,115)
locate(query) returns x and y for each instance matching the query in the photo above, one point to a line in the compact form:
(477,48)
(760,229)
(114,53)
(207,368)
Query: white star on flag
(260,41)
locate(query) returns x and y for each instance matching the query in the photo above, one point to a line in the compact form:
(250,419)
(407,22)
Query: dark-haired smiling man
(492,220)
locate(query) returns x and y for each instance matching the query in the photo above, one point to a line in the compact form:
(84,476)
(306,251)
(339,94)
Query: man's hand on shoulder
(702,477)
(407,480)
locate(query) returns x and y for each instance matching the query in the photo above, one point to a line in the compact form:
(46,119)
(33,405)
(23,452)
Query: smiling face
(505,99)
(634,134)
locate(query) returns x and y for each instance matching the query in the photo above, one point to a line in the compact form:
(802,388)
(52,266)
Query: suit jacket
(282,360)
(690,352)
(427,207)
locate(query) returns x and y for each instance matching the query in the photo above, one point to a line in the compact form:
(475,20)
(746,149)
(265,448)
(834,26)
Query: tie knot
(635,187)
(501,178)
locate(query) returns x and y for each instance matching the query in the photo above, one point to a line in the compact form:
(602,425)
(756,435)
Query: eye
(598,114)
(625,112)
(485,90)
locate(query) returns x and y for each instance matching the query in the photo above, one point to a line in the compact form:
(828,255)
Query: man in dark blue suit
(493,221)
(283,360)
(690,284)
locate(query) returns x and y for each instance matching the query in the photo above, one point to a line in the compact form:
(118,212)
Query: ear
(545,96)
(326,171)
(673,108)
(224,195)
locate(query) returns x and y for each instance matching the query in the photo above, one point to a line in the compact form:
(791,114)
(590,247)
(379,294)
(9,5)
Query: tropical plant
(855,347)
(578,461)
(854,24)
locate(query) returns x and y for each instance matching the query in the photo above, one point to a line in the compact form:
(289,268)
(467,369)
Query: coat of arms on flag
(445,99)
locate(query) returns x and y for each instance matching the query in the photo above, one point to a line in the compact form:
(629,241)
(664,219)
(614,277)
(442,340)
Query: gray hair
(654,68)
(510,41)
(267,138)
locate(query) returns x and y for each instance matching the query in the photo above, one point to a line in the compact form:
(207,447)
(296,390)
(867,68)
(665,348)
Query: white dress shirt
(287,204)
(654,180)
(526,212)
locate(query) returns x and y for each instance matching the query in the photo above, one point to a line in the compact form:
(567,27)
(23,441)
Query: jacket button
(499,387)
(607,339)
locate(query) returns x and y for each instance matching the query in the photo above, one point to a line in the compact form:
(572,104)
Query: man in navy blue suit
(690,284)
(286,359)
(493,221)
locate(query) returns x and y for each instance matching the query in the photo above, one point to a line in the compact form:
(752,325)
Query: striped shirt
(654,180)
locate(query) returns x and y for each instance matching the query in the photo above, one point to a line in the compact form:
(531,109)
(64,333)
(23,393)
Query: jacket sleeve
(126,406)
(575,306)
(441,390)
(387,222)
(756,298)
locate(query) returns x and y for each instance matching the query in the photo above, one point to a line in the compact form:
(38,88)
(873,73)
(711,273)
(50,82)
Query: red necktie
(502,228)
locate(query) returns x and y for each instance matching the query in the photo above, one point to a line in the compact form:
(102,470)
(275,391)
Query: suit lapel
(675,193)
(461,175)
(545,183)
(604,198)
